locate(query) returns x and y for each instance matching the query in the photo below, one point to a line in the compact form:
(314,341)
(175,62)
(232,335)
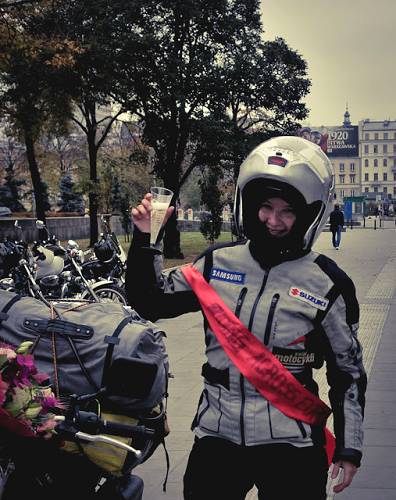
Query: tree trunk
(172,249)
(36,181)
(93,195)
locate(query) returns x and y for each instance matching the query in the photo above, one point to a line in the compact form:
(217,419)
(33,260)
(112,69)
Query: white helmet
(293,164)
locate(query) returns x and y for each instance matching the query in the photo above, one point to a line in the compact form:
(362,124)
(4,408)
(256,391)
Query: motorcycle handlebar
(92,424)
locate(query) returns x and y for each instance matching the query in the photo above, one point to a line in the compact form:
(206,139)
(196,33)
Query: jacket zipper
(257,300)
(238,308)
(240,300)
(270,319)
(267,334)
(241,419)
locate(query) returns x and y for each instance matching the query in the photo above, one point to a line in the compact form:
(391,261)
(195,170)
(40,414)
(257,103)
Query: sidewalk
(369,257)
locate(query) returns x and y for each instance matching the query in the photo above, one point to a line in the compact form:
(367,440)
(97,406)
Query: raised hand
(141,214)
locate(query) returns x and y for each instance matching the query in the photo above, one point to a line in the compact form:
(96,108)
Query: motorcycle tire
(111,293)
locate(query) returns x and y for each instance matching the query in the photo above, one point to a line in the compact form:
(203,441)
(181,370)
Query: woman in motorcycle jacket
(297,302)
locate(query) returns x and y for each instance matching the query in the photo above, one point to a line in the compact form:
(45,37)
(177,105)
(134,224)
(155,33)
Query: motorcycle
(49,271)
(109,259)
(61,273)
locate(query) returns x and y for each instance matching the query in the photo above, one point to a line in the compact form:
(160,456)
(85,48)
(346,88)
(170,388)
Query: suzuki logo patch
(230,276)
(314,300)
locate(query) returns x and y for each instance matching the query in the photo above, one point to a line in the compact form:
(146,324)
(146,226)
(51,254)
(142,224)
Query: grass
(192,244)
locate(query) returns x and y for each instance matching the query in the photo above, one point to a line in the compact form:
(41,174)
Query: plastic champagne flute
(160,201)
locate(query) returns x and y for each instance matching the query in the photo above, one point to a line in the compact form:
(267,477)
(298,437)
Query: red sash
(256,362)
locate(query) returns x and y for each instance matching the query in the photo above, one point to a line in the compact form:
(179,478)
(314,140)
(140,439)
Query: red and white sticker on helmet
(308,297)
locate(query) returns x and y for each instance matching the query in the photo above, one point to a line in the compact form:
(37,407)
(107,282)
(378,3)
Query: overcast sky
(350,48)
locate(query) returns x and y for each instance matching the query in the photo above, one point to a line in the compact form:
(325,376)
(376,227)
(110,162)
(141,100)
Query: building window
(352,167)
(342,179)
(385,135)
(394,177)
(394,148)
(376,177)
(352,179)
(385,162)
(385,190)
(366,190)
(385,148)
(366,149)
(341,167)
(376,136)
(394,189)
(385,176)
(342,193)
(366,177)
(375,148)
(375,162)
(352,192)
(367,136)
(375,189)
(366,163)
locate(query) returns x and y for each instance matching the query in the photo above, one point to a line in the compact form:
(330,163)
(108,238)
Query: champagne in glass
(160,203)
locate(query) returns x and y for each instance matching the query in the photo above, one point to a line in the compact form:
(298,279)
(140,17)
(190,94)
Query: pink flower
(47,403)
(8,352)
(26,369)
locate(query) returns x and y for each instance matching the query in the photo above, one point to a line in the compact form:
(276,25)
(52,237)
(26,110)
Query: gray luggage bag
(76,344)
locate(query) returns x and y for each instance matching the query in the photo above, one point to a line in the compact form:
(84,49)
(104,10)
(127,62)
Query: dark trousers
(220,470)
(336,236)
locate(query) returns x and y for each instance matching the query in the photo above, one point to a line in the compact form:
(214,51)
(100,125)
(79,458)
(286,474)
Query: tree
(212,200)
(116,195)
(9,192)
(70,200)
(11,156)
(30,97)
(88,25)
(174,70)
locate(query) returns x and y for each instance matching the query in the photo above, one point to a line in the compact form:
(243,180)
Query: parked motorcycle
(72,282)
(109,259)
(49,271)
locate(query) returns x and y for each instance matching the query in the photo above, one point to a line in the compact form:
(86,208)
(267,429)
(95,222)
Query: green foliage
(211,222)
(10,191)
(70,199)
(115,195)
(190,194)
(202,80)
(197,74)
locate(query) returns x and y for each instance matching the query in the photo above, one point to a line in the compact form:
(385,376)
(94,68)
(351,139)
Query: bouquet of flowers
(27,402)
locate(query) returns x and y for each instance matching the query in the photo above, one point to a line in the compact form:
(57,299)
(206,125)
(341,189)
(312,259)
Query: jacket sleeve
(153,293)
(345,372)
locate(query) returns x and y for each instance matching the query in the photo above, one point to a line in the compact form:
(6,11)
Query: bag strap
(253,359)
(3,313)
(112,341)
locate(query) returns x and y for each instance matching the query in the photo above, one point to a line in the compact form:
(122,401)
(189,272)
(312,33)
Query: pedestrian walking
(274,310)
(336,224)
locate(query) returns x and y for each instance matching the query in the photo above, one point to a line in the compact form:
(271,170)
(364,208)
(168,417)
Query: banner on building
(334,141)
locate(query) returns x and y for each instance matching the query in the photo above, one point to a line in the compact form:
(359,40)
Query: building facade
(341,144)
(377,144)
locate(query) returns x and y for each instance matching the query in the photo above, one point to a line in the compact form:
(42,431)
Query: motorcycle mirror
(16,225)
(40,224)
(72,244)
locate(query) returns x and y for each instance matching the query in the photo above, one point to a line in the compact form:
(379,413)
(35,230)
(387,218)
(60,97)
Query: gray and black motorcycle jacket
(303,309)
